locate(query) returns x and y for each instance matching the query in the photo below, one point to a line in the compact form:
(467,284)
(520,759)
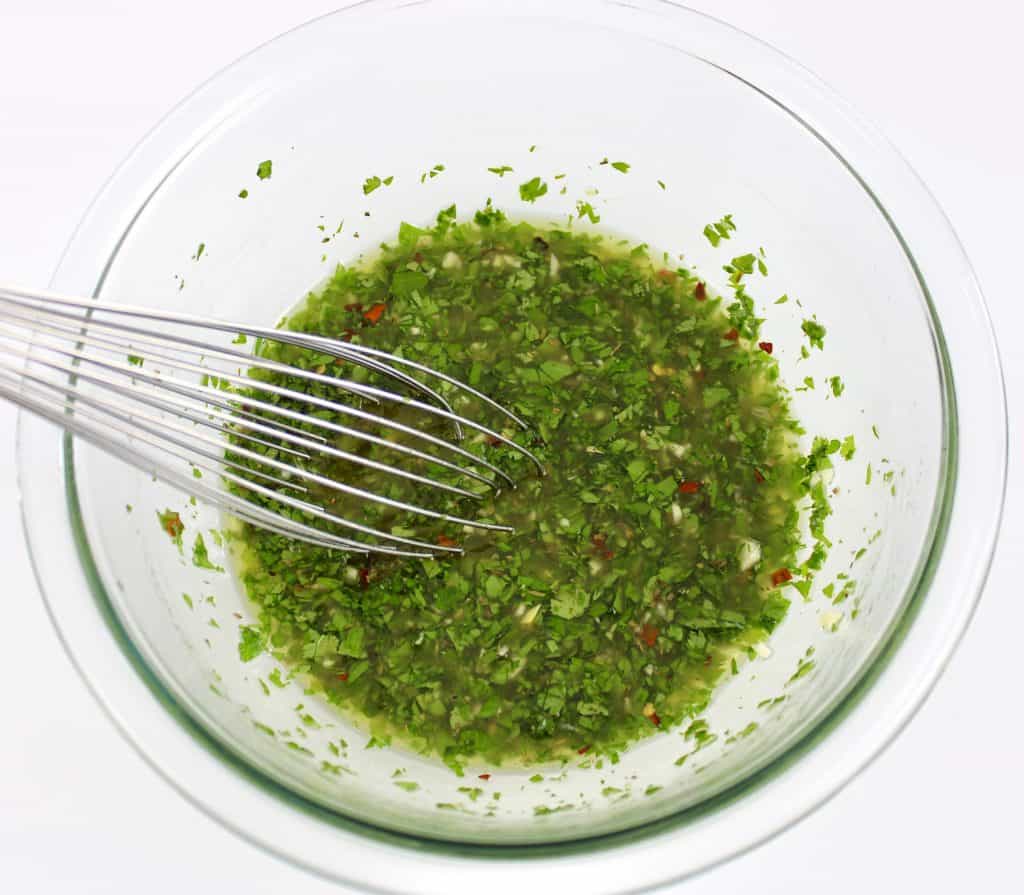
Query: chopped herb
(542,644)
(171,522)
(373,183)
(719,230)
(803,668)
(585,209)
(815,333)
(540,810)
(200,557)
(263,171)
(532,190)
(501,170)
(250,643)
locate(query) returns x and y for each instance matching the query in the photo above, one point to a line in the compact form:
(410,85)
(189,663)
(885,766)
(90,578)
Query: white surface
(81,82)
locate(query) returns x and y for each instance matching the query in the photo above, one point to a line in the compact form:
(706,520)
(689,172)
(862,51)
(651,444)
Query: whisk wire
(157,398)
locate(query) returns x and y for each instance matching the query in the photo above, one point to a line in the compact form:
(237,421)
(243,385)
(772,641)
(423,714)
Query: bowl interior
(382,96)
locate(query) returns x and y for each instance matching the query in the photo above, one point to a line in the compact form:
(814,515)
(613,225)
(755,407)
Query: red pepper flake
(732,336)
(781,576)
(649,634)
(494,441)
(364,577)
(666,275)
(707,660)
(600,543)
(418,257)
(346,336)
(484,776)
(445,541)
(701,292)
(356,306)
(375,312)
(758,477)
(655,719)
(766,347)
(172,524)
(343,676)
(689,487)
(583,750)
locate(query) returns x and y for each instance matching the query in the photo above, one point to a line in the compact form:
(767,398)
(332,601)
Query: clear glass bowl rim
(158,144)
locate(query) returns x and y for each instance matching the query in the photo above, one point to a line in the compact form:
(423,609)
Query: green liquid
(642,565)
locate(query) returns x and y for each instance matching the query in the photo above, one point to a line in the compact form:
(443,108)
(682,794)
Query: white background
(82,80)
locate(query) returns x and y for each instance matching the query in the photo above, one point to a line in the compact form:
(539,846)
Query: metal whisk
(170,394)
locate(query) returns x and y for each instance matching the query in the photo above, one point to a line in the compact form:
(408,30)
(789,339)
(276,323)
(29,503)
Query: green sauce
(646,562)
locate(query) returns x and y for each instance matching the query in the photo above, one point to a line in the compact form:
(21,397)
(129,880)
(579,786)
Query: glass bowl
(728,125)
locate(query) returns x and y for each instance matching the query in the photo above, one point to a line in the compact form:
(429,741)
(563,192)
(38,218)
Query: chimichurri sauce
(646,562)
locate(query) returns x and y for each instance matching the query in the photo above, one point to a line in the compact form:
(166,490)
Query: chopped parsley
(374,182)
(427,175)
(200,556)
(250,643)
(532,190)
(263,172)
(719,230)
(170,522)
(623,167)
(585,209)
(613,612)
(815,333)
